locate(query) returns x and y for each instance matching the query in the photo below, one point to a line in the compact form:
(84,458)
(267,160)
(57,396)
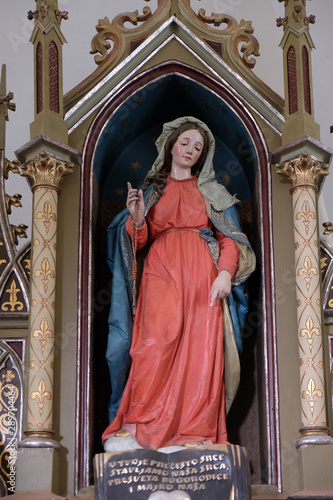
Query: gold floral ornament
(60,15)
(10,201)
(10,166)
(306,214)
(41,394)
(13,302)
(46,272)
(282,21)
(9,375)
(2,261)
(312,393)
(113,31)
(297,17)
(236,34)
(310,331)
(303,171)
(43,8)
(328,227)
(48,215)
(18,231)
(323,263)
(27,266)
(46,170)
(308,269)
(44,332)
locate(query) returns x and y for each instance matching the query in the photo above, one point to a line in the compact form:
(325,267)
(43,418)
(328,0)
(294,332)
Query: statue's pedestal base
(214,472)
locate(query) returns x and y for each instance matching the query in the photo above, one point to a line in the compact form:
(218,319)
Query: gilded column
(303,172)
(44,173)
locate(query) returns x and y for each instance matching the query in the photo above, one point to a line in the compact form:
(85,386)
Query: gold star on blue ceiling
(136,165)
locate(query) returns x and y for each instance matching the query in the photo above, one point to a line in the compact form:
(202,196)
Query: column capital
(45,161)
(46,170)
(303,171)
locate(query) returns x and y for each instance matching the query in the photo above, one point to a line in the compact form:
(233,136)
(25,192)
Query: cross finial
(46,11)
(295,15)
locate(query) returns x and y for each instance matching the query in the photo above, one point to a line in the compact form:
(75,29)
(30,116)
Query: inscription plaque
(213,472)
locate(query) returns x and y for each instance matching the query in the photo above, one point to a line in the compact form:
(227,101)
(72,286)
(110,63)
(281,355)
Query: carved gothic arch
(93,296)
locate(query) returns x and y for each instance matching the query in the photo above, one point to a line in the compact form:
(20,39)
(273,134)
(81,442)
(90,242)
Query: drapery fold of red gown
(175,390)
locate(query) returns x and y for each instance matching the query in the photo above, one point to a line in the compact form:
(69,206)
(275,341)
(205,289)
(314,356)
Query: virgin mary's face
(187,149)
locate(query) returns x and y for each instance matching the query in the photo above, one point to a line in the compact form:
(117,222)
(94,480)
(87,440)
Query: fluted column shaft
(303,171)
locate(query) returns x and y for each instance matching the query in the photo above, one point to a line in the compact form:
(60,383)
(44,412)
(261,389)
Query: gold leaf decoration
(2,261)
(41,394)
(9,375)
(10,201)
(323,262)
(18,231)
(27,266)
(46,170)
(10,166)
(303,170)
(48,215)
(113,31)
(45,272)
(136,165)
(13,303)
(60,15)
(311,393)
(44,332)
(310,331)
(306,215)
(241,33)
(308,269)
(328,227)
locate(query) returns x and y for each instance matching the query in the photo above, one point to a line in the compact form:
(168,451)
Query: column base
(314,435)
(39,442)
(37,466)
(317,467)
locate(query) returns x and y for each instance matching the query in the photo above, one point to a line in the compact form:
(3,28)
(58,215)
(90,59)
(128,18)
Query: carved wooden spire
(297,45)
(48,39)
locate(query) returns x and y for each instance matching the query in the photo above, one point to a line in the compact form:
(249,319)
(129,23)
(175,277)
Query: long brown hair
(159,179)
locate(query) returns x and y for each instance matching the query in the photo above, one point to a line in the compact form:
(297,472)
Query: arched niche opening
(119,148)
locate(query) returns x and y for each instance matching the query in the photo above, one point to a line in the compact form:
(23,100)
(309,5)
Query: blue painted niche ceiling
(126,148)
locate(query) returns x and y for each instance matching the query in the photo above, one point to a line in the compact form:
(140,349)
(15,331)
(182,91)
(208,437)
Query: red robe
(175,390)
